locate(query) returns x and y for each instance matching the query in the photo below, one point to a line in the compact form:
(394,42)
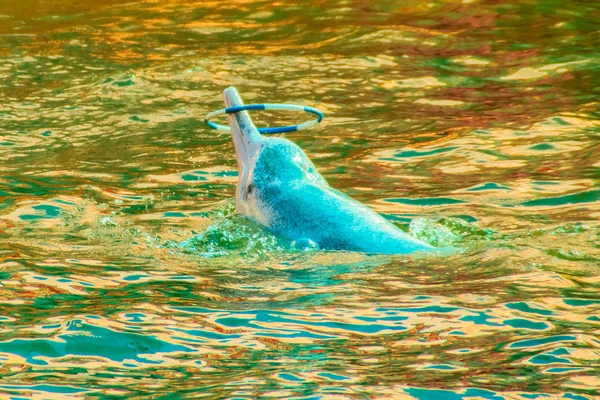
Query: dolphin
(279,187)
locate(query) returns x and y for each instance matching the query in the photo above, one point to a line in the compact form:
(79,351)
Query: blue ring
(268,130)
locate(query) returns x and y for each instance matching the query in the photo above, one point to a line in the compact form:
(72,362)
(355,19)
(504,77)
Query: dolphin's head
(263,160)
(281,161)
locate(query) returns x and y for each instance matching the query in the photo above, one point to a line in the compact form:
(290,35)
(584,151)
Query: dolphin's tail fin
(240,120)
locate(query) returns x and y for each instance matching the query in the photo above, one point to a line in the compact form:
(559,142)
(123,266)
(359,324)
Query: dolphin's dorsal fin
(239,120)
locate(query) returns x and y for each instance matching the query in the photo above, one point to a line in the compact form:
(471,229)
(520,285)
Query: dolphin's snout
(232,97)
(246,138)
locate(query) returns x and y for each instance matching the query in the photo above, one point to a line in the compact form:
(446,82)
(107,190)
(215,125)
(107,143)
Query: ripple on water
(125,273)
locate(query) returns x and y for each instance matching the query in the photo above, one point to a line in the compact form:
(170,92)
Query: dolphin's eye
(247,191)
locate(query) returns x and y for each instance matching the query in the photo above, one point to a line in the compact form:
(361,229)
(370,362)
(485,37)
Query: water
(125,272)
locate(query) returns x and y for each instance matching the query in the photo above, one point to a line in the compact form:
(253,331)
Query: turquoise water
(126,273)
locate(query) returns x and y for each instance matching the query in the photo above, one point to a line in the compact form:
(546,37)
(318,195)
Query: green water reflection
(469,123)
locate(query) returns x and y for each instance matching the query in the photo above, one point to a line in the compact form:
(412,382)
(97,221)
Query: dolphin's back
(334,221)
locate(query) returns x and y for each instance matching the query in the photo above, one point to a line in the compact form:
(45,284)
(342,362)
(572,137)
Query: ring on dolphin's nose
(279,129)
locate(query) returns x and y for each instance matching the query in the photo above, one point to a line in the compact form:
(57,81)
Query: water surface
(125,271)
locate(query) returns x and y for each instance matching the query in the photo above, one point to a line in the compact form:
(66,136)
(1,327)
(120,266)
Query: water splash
(230,234)
(449,232)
